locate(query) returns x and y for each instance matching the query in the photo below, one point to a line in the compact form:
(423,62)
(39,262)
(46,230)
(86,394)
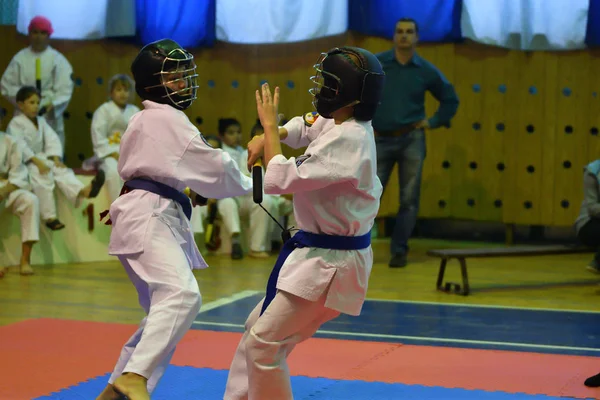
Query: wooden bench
(462,254)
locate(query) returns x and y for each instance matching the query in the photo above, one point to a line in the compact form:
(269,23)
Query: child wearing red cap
(44,68)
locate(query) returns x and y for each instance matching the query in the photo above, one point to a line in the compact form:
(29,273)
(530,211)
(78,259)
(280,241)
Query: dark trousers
(408,151)
(589,235)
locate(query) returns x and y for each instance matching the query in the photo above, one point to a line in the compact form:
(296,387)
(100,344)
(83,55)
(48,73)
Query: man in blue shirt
(400,125)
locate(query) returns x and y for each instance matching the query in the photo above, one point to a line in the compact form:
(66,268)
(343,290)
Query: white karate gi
(153,238)
(57,83)
(42,142)
(230,209)
(336,192)
(197,221)
(20,202)
(108,124)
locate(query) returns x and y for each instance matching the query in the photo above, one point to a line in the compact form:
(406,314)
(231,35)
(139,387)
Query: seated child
(42,153)
(108,124)
(15,195)
(230,209)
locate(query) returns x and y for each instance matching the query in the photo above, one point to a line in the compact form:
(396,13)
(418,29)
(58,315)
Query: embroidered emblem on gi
(205,141)
(301,159)
(310,118)
(115,138)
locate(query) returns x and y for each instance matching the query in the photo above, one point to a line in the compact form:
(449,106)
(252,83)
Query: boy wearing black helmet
(323,270)
(161,154)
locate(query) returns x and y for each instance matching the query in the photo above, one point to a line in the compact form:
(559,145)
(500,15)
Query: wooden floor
(102,292)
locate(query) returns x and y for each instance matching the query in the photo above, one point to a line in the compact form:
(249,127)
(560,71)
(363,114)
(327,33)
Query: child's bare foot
(133,386)
(3,271)
(26,269)
(109,393)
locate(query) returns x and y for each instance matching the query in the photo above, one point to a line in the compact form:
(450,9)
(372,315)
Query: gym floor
(529,329)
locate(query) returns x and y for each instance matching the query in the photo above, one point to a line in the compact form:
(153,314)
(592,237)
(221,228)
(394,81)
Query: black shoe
(236,251)
(398,261)
(593,381)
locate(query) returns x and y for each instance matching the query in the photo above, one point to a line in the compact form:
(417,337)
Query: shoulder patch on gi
(205,141)
(310,118)
(301,159)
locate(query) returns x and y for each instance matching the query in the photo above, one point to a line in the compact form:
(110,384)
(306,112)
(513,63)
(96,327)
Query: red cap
(41,24)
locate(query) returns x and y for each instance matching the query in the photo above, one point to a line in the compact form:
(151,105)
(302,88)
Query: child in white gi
(162,154)
(283,207)
(42,152)
(324,269)
(230,209)
(108,124)
(15,195)
(41,66)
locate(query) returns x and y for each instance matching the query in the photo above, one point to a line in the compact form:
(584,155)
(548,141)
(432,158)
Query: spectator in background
(108,124)
(230,209)
(400,125)
(15,195)
(43,154)
(587,225)
(44,68)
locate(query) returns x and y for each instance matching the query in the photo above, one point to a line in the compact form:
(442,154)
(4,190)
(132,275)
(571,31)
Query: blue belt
(162,190)
(307,239)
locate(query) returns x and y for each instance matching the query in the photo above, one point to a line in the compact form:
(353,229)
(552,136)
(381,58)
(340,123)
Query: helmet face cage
(324,80)
(177,67)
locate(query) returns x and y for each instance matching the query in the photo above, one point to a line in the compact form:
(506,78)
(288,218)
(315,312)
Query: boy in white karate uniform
(43,154)
(283,208)
(45,68)
(108,124)
(162,154)
(231,209)
(15,195)
(324,269)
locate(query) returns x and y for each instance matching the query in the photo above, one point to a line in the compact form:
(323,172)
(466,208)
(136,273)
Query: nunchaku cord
(257,196)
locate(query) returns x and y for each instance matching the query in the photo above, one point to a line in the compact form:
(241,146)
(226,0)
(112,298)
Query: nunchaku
(38,82)
(257,196)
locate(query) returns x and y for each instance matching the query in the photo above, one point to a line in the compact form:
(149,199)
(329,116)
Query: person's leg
(237,380)
(410,168)
(589,235)
(114,183)
(163,272)
(26,206)
(260,225)
(287,321)
(229,211)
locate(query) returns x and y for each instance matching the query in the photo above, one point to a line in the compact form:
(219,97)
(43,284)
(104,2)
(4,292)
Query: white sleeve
(323,166)
(62,89)
(16,132)
(52,144)
(303,130)
(102,146)
(212,173)
(17,172)
(243,163)
(296,137)
(9,84)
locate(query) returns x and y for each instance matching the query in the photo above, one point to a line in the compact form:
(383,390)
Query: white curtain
(81,19)
(526,24)
(279,21)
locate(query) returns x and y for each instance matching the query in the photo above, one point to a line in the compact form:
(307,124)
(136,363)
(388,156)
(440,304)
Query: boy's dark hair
(257,127)
(409,20)
(26,92)
(225,123)
(215,138)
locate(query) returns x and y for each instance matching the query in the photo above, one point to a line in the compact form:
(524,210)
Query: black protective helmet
(161,64)
(348,76)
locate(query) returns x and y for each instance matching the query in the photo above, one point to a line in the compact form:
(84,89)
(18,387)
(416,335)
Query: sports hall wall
(527,122)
